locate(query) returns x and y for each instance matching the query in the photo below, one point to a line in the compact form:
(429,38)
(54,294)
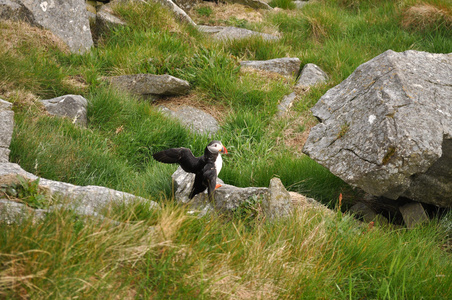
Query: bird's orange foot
(217,186)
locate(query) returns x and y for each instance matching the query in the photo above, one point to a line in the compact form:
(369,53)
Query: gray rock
(70,106)
(311,74)
(388,127)
(278,203)
(413,214)
(12,212)
(364,211)
(233,33)
(300,4)
(286,103)
(195,119)
(85,200)
(105,19)
(180,13)
(146,85)
(6,129)
(286,66)
(15,11)
(67,19)
(276,200)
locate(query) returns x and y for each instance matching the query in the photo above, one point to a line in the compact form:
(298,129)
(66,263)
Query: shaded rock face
(67,19)
(6,129)
(276,201)
(146,85)
(388,127)
(286,66)
(70,106)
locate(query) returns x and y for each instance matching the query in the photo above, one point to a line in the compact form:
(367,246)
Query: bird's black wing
(198,185)
(182,156)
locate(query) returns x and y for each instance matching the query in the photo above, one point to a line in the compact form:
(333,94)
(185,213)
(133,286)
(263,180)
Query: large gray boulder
(387,128)
(286,66)
(148,85)
(276,201)
(194,119)
(73,107)
(67,19)
(85,200)
(6,129)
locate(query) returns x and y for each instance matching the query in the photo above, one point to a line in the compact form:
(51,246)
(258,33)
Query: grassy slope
(184,257)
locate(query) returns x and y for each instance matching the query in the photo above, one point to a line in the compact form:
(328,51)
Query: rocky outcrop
(275,200)
(234,33)
(310,75)
(387,128)
(84,200)
(6,129)
(195,119)
(69,106)
(67,19)
(149,85)
(286,66)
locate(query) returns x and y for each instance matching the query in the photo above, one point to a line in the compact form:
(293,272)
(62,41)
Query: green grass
(169,254)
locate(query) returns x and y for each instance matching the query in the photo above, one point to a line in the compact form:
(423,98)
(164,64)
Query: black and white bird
(206,167)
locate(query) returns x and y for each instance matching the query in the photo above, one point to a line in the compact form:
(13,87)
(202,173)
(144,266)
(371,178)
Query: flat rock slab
(6,129)
(148,85)
(195,119)
(387,128)
(233,33)
(86,200)
(73,107)
(286,66)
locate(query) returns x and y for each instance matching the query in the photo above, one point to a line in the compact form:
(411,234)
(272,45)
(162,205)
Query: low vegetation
(170,254)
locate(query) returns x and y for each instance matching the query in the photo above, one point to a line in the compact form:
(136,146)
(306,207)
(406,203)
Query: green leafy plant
(204,11)
(27,191)
(284,4)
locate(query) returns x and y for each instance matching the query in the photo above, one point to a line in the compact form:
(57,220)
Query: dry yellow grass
(425,16)
(14,35)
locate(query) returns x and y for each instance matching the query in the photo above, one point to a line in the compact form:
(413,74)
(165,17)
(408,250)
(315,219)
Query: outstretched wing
(182,156)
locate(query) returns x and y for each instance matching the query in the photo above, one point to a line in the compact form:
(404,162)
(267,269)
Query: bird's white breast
(218,164)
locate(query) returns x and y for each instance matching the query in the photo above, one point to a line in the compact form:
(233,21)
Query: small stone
(413,214)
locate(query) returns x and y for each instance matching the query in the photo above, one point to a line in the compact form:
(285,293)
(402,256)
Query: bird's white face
(217,147)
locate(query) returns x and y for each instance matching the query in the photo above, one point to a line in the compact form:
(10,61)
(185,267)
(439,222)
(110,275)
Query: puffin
(206,167)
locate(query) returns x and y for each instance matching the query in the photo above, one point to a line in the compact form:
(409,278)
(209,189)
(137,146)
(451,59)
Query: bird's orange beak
(224,150)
